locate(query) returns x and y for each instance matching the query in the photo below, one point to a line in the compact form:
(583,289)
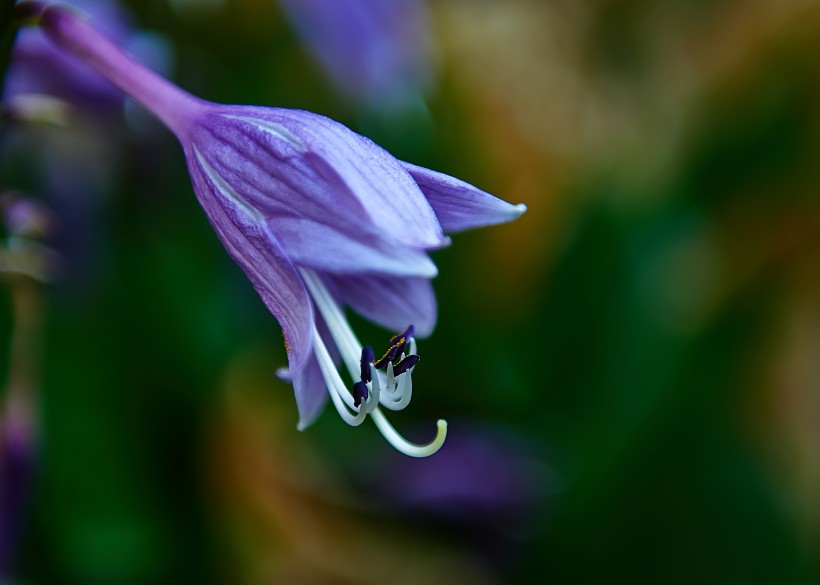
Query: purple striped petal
(310,391)
(309,386)
(459,205)
(249,242)
(291,162)
(318,246)
(393,303)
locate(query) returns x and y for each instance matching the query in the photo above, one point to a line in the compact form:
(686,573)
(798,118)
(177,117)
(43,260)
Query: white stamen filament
(403,398)
(392,392)
(375,394)
(391,379)
(335,386)
(397,396)
(340,331)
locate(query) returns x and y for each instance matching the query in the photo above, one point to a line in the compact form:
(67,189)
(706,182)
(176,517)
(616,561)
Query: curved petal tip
(459,205)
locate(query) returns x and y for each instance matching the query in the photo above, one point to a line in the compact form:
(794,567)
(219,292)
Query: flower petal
(393,303)
(249,242)
(309,385)
(310,391)
(318,246)
(459,205)
(291,162)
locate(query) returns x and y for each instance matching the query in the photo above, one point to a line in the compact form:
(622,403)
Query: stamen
(367,358)
(375,390)
(403,445)
(400,398)
(405,389)
(391,378)
(336,388)
(359,393)
(390,355)
(408,333)
(381,382)
(402,391)
(340,331)
(405,364)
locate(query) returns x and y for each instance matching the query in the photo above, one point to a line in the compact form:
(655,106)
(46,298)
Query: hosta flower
(17,455)
(72,156)
(376,52)
(38,68)
(318,217)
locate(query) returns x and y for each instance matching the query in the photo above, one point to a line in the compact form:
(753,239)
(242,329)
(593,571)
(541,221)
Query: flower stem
(68,30)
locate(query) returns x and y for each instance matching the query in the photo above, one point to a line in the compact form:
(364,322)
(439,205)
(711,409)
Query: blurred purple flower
(16,466)
(376,52)
(40,68)
(481,471)
(316,215)
(73,154)
(485,485)
(24,261)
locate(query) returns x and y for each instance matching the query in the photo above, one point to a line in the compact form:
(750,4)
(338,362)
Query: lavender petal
(460,206)
(325,249)
(250,243)
(310,391)
(290,162)
(390,302)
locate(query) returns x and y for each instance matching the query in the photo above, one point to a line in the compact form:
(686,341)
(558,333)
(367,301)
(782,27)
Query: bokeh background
(631,371)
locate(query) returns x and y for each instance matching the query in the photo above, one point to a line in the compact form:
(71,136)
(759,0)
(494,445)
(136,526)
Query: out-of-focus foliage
(641,349)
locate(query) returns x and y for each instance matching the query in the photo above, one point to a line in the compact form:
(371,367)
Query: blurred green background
(646,339)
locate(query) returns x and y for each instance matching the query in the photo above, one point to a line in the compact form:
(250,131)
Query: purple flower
(39,68)
(73,160)
(318,217)
(484,471)
(376,52)
(483,489)
(16,467)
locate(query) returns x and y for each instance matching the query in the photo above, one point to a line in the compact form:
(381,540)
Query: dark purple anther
(405,364)
(406,334)
(359,393)
(368,357)
(390,356)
